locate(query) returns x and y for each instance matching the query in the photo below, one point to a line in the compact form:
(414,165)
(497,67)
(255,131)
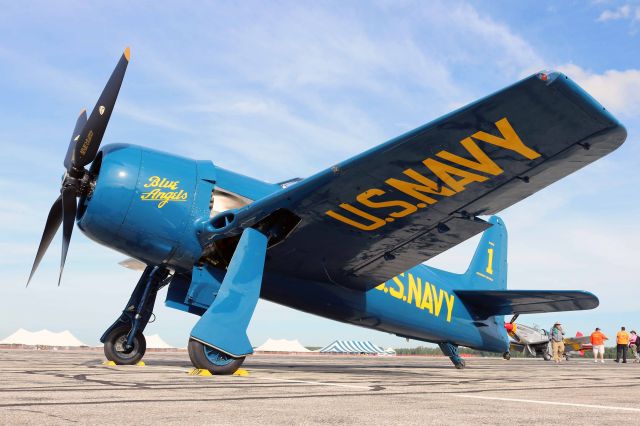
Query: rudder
(488,268)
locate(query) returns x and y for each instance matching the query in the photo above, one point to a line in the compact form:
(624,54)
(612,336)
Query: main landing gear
(506,355)
(124,342)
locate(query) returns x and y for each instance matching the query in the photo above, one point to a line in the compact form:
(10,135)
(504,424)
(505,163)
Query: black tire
(114,350)
(207,358)
(506,356)
(460,365)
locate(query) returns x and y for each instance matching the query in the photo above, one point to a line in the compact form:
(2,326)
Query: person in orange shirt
(622,341)
(597,342)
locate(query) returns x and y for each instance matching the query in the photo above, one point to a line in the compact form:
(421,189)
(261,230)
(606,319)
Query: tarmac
(60,387)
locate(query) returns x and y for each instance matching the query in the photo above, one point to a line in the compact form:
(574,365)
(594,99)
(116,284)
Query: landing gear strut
(451,350)
(124,342)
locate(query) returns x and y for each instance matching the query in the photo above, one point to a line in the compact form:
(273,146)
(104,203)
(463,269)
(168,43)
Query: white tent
(42,338)
(353,347)
(281,345)
(154,341)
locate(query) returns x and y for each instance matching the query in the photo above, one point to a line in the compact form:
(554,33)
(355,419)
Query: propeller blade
(91,135)
(514,318)
(50,228)
(75,136)
(69,207)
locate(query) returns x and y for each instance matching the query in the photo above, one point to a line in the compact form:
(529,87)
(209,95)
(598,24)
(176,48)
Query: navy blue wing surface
(511,302)
(394,206)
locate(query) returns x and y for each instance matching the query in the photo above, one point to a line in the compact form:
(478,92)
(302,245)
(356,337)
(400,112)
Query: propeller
(82,150)
(511,327)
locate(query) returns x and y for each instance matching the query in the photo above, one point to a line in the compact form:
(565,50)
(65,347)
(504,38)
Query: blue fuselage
(419,304)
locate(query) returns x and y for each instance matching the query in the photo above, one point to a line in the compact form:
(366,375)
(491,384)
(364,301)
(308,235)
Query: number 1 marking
(490,262)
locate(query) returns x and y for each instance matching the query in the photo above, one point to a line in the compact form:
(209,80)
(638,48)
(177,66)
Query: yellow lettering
(509,140)
(364,198)
(449,299)
(157,194)
(153,182)
(376,222)
(415,290)
(482,164)
(427,298)
(490,262)
(86,143)
(445,172)
(399,292)
(437,299)
(416,190)
(380,287)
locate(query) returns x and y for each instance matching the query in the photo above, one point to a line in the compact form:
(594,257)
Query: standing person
(622,342)
(634,344)
(557,342)
(597,342)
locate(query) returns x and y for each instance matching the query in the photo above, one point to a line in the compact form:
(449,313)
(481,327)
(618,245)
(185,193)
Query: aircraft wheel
(115,351)
(207,358)
(460,364)
(546,356)
(506,356)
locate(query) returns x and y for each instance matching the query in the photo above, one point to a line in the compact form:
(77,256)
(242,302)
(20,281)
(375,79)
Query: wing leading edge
(409,199)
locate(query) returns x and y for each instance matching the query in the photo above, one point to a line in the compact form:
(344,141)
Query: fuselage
(419,304)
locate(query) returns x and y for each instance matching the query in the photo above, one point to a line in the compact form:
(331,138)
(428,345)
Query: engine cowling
(147,204)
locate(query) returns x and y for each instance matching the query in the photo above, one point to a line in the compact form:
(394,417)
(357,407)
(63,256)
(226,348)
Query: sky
(282,89)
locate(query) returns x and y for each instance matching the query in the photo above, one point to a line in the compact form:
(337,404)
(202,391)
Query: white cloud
(623,12)
(618,91)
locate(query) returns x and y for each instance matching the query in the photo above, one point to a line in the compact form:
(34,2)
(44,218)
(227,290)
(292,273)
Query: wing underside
(371,217)
(509,302)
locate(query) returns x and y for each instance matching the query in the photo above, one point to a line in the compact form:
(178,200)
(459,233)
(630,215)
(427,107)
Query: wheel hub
(120,345)
(216,357)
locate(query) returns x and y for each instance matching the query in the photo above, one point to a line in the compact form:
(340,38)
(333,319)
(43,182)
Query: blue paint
(117,216)
(246,186)
(155,207)
(224,325)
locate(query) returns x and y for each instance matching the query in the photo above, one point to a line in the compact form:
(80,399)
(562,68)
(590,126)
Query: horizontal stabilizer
(511,302)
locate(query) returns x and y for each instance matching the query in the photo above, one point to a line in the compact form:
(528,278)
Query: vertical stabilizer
(488,268)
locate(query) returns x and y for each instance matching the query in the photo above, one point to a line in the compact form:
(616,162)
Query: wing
(371,217)
(578,343)
(508,302)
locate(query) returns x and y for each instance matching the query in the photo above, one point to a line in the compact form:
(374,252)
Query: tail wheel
(114,347)
(208,358)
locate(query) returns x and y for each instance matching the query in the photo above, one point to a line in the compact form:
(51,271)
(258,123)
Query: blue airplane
(347,243)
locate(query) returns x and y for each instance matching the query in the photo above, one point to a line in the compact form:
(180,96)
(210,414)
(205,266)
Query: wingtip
(127,53)
(82,111)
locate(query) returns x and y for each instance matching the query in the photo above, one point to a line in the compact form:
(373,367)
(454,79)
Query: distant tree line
(609,352)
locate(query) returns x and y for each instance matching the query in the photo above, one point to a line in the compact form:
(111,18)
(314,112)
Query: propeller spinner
(83,148)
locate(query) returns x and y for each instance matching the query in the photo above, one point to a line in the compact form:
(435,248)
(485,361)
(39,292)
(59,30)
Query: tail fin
(488,268)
